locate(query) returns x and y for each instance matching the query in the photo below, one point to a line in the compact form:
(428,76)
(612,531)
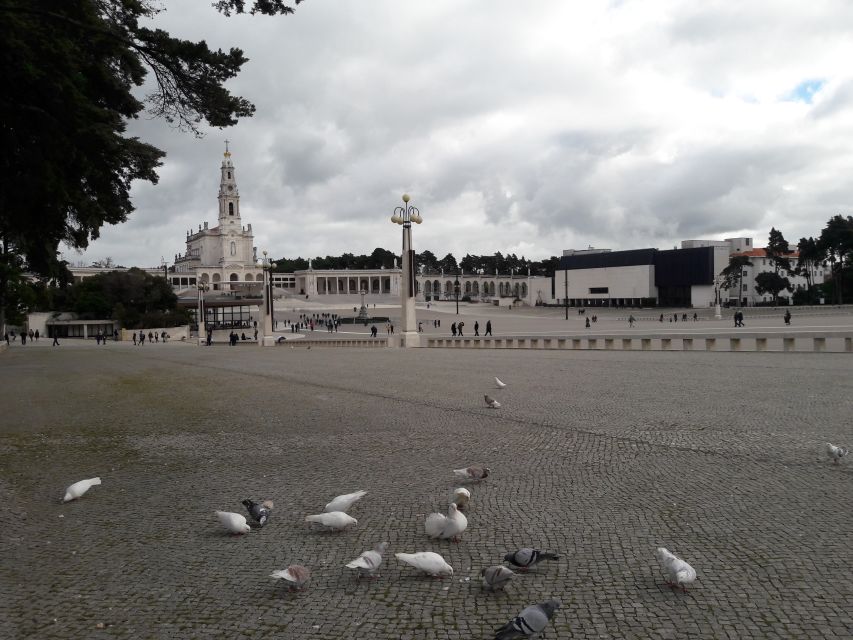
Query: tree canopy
(72,69)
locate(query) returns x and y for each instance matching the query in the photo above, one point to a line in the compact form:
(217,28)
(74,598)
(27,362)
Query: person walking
(488,328)
(587,323)
(476,327)
(134,338)
(631,320)
(787,316)
(459,327)
(453,329)
(56,340)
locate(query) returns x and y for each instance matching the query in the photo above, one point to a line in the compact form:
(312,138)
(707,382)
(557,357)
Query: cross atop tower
(227,152)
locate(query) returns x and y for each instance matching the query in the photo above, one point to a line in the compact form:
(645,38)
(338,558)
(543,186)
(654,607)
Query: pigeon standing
(77,489)
(336,520)
(499,384)
(474,472)
(260,511)
(526,557)
(295,574)
(835,453)
(233,522)
(496,577)
(678,573)
(491,402)
(368,562)
(426,561)
(531,621)
(450,526)
(344,502)
(461,497)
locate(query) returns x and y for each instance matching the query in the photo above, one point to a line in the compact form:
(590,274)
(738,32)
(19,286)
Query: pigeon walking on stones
(234,523)
(450,526)
(491,402)
(344,502)
(526,557)
(496,577)
(530,622)
(77,489)
(461,497)
(336,520)
(474,472)
(835,453)
(260,511)
(678,573)
(428,562)
(295,574)
(499,384)
(368,562)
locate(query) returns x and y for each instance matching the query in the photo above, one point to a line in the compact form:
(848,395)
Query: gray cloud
(620,124)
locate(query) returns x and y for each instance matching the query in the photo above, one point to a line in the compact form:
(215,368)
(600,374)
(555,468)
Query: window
(229,175)
(599,289)
(744,287)
(230,208)
(745,272)
(747,240)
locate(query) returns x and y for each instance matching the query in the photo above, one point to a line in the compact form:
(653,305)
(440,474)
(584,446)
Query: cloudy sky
(520,127)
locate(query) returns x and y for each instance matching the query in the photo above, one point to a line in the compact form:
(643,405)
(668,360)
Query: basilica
(222,257)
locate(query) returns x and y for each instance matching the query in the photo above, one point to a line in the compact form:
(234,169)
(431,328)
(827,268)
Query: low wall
(342,342)
(837,342)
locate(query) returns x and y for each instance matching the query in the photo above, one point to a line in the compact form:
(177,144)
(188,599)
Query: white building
(222,256)
(762,264)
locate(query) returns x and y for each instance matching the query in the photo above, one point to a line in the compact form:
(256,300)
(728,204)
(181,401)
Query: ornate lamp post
(265,336)
(202,287)
(405,216)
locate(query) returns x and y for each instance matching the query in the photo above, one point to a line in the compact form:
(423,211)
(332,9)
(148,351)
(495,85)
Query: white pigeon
(461,497)
(336,520)
(450,526)
(295,574)
(77,489)
(491,402)
(233,522)
(499,384)
(678,573)
(835,453)
(368,562)
(344,502)
(426,561)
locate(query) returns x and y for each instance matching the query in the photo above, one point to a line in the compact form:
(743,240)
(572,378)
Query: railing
(838,342)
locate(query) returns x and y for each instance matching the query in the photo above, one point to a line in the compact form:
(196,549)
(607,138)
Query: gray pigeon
(531,621)
(260,511)
(491,402)
(496,577)
(526,557)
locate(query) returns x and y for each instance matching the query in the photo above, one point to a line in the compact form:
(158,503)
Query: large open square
(599,456)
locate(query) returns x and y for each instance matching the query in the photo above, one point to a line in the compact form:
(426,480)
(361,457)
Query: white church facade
(222,257)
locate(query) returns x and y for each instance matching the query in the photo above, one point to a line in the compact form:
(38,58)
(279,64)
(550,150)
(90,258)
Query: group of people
(101,337)
(457,328)
(11,336)
(153,336)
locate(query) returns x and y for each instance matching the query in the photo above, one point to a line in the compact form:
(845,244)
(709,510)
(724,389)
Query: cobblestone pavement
(601,456)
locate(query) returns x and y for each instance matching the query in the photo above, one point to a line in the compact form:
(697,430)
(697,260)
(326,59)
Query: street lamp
(405,216)
(718,314)
(267,324)
(456,287)
(202,287)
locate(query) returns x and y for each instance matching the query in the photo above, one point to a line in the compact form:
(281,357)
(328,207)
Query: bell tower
(229,196)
